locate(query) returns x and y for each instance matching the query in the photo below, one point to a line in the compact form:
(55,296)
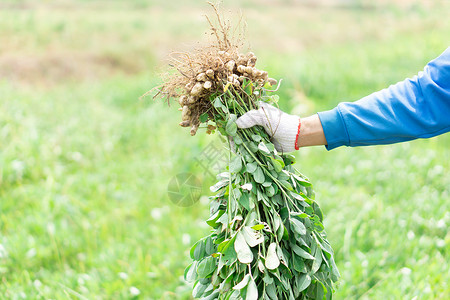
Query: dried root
(207,71)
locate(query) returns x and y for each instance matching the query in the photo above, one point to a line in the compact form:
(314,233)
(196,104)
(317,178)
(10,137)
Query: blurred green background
(85,164)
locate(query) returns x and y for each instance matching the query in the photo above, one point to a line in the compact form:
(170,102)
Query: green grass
(84,165)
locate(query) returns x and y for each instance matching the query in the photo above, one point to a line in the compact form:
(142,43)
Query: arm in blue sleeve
(411,109)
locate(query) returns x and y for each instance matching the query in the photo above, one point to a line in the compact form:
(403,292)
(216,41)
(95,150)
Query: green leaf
(213,219)
(237,140)
(303,281)
(270,191)
(318,226)
(276,221)
(302,253)
(300,215)
(267,184)
(251,201)
(251,167)
(252,290)
(252,237)
(334,270)
(203,117)
(284,213)
(267,279)
(243,251)
(224,245)
(258,226)
(199,251)
(289,159)
(231,126)
(237,193)
(277,199)
(248,88)
(248,158)
(326,247)
(301,180)
(263,197)
(259,175)
(285,234)
(284,175)
(286,185)
(222,220)
(227,250)
(271,292)
(236,164)
(214,295)
(318,211)
(299,263)
(317,261)
(280,231)
(299,239)
(233,296)
(261,266)
(297,226)
(244,200)
(218,102)
(190,273)
(222,131)
(219,185)
(263,148)
(206,267)
(320,290)
(285,282)
(271,147)
(210,248)
(252,146)
(272,260)
(277,165)
(199,289)
(291,295)
(243,283)
(256,137)
(191,252)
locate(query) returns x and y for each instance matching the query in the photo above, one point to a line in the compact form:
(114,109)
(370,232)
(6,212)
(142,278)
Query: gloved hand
(280,126)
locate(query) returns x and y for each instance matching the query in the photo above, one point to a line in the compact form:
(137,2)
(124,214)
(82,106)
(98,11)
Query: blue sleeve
(411,109)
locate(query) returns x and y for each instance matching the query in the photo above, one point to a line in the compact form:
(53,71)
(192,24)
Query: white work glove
(280,126)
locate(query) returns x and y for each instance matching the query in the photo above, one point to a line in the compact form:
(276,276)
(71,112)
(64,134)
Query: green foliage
(264,210)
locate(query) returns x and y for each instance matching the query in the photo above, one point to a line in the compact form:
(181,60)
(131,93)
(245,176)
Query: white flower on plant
(123,275)
(156,213)
(247,186)
(134,291)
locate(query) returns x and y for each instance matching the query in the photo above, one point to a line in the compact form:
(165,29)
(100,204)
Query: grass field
(84,164)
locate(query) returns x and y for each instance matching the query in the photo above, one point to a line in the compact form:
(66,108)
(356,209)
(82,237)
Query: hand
(283,128)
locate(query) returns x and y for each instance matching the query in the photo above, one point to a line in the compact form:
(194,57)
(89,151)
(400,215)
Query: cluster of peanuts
(229,70)
(243,68)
